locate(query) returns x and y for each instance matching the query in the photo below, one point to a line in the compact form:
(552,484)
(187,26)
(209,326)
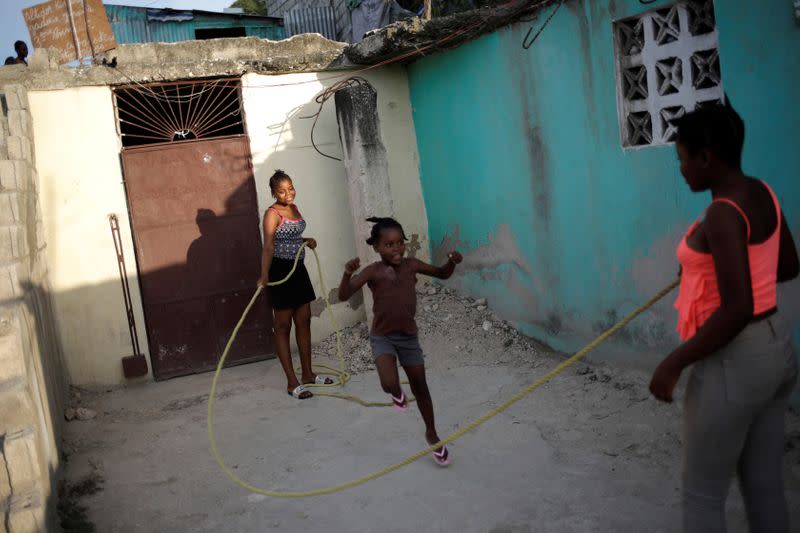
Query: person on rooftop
(22,53)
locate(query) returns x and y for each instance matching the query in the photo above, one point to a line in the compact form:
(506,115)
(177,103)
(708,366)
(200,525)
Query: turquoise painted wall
(522,168)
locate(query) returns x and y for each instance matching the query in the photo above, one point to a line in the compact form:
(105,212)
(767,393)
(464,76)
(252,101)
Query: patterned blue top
(289,237)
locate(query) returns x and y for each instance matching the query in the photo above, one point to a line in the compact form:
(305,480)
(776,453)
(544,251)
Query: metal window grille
(178,111)
(667,64)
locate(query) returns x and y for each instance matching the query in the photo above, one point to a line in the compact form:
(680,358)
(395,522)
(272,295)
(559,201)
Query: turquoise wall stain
(530,139)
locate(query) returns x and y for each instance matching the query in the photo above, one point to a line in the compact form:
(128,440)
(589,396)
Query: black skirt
(294,292)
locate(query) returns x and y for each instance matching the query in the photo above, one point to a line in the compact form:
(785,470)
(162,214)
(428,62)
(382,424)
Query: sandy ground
(591,451)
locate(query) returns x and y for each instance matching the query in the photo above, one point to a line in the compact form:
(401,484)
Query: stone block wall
(32,380)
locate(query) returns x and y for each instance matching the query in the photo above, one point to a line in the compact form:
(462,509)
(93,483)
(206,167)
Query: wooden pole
(74,31)
(428,9)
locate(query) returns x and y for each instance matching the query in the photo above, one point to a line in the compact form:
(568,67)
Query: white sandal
(322,380)
(298,391)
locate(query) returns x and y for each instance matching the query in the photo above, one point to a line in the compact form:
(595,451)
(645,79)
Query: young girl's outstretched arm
(442,272)
(349,285)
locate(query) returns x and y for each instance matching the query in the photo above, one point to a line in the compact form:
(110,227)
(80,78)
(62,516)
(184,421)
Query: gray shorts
(405,348)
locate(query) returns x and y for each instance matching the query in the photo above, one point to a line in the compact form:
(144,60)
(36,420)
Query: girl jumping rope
(394,331)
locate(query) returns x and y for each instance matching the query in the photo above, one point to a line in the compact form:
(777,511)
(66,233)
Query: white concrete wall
(280,138)
(80,184)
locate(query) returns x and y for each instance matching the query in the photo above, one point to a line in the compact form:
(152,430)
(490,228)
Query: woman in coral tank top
(743,364)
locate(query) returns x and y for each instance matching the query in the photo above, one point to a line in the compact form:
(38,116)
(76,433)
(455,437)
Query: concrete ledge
(414,34)
(174,61)
(308,52)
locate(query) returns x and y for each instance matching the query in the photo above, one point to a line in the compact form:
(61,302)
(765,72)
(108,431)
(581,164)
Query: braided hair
(277,177)
(380,224)
(718,128)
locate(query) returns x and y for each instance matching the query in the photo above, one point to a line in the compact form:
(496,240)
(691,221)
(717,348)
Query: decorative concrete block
(21,212)
(19,148)
(20,241)
(40,237)
(8,175)
(19,123)
(14,146)
(13,244)
(17,410)
(5,482)
(9,321)
(22,458)
(12,362)
(26,513)
(10,282)
(16,96)
(8,208)
(27,520)
(24,174)
(7,246)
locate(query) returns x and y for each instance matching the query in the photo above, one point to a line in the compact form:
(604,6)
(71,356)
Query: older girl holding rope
(737,343)
(291,300)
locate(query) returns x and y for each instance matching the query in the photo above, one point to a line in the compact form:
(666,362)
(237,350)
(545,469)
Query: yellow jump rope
(341,377)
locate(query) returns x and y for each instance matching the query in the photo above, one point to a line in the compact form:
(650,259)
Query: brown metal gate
(195,221)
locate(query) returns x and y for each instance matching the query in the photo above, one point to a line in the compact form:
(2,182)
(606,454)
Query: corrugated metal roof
(311,20)
(140,25)
(279,8)
(128,24)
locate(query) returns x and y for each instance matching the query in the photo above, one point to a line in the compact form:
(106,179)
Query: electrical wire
(326,95)
(527,44)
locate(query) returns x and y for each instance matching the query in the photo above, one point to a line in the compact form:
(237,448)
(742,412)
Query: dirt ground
(590,451)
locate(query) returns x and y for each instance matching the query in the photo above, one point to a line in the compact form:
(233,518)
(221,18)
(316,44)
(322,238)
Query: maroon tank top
(394,298)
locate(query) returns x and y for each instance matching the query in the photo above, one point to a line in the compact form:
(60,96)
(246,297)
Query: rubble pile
(462,329)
